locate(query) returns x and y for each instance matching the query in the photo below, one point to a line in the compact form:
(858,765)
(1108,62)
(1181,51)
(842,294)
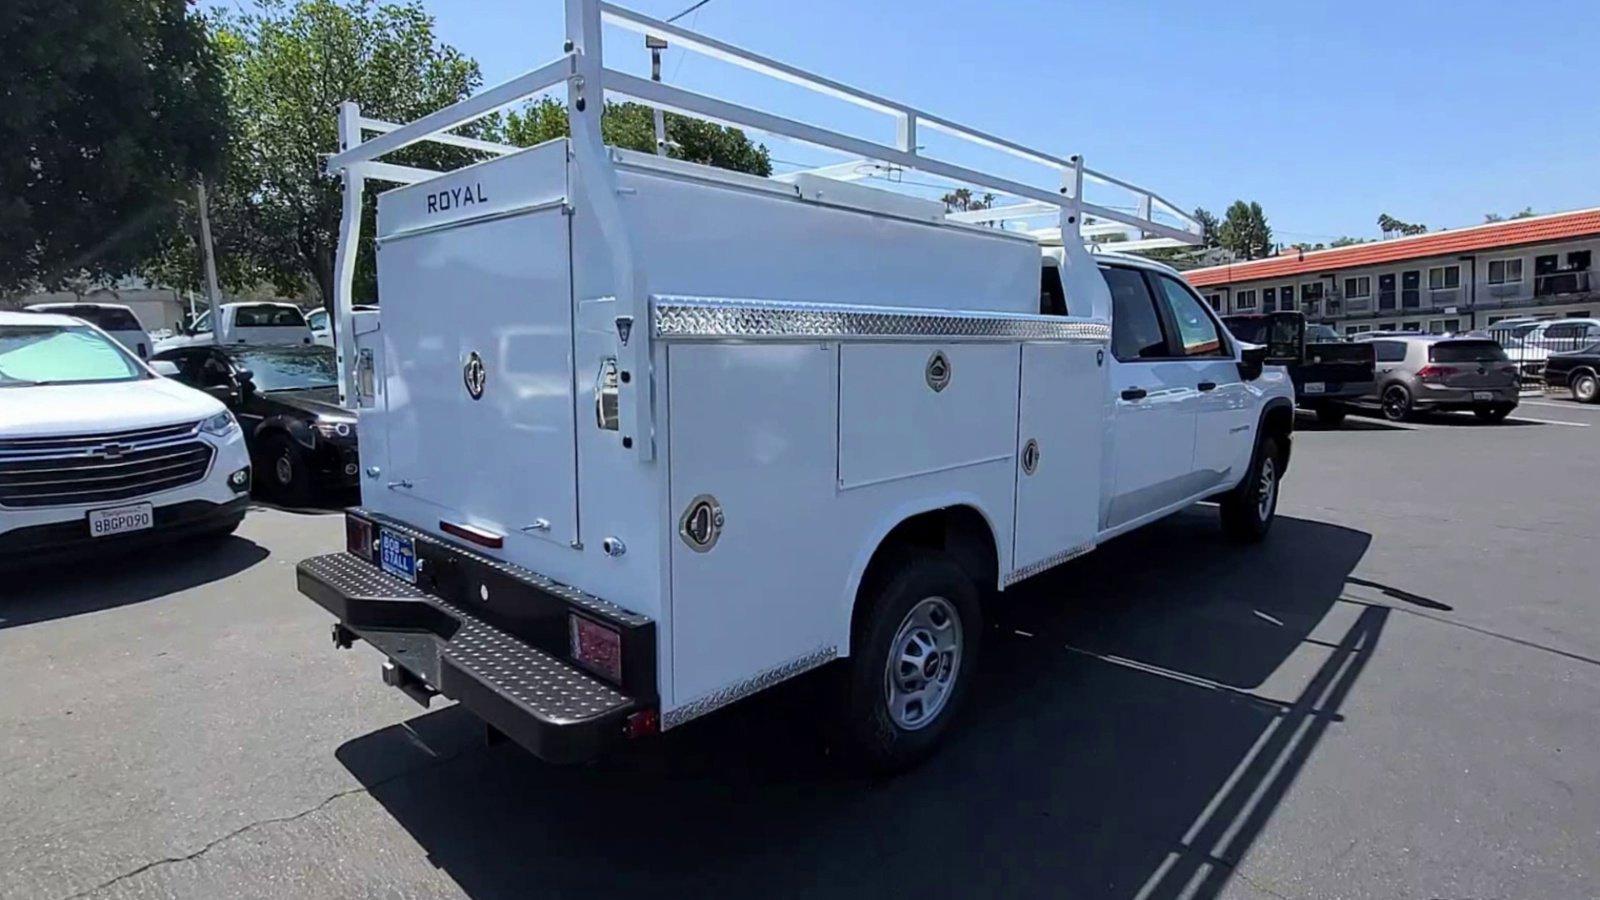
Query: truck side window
(1135,327)
(1197,334)
(1052,298)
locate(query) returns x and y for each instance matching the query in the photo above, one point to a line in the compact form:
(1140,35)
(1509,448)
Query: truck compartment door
(1058,450)
(477,326)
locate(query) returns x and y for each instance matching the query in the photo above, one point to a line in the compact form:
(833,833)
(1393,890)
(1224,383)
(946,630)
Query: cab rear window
(1466,351)
(268,317)
(104,318)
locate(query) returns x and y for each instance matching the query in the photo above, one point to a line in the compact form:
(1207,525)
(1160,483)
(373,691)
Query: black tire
(282,471)
(1331,415)
(1249,509)
(1492,413)
(1396,403)
(1585,387)
(869,734)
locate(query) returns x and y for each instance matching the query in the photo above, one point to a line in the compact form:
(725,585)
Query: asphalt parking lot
(1396,696)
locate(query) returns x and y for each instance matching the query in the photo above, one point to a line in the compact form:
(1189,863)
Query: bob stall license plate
(1315,387)
(397,555)
(121,519)
(1483,395)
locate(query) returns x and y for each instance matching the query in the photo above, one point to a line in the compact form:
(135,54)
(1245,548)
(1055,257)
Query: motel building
(1447,281)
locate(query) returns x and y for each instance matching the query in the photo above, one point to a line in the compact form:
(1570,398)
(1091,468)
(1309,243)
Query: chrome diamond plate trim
(739,690)
(710,318)
(1049,562)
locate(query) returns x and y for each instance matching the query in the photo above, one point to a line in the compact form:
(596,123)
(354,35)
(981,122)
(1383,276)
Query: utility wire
(688,10)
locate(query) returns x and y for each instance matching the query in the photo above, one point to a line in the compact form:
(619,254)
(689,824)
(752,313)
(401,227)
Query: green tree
(112,109)
(1390,226)
(632,126)
(1347,241)
(1210,228)
(1525,213)
(963,200)
(289,65)
(1245,232)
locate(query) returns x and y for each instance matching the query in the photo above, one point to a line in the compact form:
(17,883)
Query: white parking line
(1584,407)
(1547,421)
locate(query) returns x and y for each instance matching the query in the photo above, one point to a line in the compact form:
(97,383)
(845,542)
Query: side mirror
(247,382)
(1252,360)
(166,368)
(1286,337)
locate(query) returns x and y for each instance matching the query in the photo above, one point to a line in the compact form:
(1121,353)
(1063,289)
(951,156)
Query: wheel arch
(959,527)
(1277,421)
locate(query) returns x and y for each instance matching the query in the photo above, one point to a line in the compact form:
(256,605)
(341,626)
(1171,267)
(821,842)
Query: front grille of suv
(76,470)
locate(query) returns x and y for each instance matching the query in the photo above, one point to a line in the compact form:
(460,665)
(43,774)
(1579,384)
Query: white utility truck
(642,437)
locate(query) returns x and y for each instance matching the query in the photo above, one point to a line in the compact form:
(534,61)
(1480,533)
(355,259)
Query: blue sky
(1326,113)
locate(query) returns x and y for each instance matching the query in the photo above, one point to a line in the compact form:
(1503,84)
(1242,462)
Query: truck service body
(641,437)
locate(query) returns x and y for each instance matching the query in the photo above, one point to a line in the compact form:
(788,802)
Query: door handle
(1134,393)
(1207,385)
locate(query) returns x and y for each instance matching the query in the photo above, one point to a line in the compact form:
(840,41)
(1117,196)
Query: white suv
(112,318)
(98,450)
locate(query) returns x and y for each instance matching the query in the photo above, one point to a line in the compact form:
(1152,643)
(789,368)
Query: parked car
(97,450)
(1575,370)
(1434,372)
(321,323)
(112,318)
(1328,372)
(1530,345)
(287,398)
(245,323)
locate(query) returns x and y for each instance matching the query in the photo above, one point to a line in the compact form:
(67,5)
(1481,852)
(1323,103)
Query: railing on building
(1555,283)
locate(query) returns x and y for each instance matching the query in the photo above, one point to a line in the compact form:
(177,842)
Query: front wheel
(1585,388)
(283,468)
(915,646)
(1248,510)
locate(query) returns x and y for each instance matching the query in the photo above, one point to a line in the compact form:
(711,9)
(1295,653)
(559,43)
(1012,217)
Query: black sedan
(1576,370)
(302,442)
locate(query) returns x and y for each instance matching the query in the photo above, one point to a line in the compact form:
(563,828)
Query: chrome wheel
(284,469)
(1267,488)
(1584,389)
(924,660)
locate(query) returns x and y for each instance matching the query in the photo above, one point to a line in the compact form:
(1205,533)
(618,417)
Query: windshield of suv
(1466,351)
(106,318)
(289,369)
(61,354)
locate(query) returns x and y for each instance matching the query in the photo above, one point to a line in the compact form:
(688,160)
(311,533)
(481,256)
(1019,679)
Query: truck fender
(1277,409)
(891,520)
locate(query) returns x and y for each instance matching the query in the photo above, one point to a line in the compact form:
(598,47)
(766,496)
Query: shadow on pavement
(60,590)
(1110,748)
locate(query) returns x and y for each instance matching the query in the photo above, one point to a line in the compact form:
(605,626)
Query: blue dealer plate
(397,554)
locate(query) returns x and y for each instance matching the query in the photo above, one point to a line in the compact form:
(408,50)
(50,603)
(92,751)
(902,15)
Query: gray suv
(1432,372)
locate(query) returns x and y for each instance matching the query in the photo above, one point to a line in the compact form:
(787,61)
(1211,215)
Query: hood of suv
(59,409)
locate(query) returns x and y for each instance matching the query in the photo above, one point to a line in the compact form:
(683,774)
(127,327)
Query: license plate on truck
(397,554)
(1483,395)
(1315,387)
(121,519)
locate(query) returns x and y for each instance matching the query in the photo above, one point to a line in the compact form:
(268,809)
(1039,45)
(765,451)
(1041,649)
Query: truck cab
(698,432)
(1329,373)
(245,323)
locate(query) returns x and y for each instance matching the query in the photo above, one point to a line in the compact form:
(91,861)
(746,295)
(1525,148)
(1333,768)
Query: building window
(1444,278)
(1505,271)
(1410,289)
(1269,299)
(1410,326)
(1215,300)
(1244,300)
(1311,297)
(1386,292)
(1358,288)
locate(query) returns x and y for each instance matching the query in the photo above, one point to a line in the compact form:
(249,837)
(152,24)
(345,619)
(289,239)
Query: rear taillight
(1436,373)
(358,536)
(596,647)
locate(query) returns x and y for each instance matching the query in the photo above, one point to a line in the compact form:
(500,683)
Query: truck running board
(557,711)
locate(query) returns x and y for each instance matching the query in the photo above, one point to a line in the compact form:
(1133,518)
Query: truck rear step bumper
(556,710)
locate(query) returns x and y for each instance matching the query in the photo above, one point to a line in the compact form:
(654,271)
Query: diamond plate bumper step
(557,711)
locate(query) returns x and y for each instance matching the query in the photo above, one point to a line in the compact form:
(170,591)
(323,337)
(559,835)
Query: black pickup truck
(1328,372)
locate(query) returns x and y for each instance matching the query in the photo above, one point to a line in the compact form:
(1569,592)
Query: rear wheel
(1585,387)
(1248,510)
(283,469)
(1331,414)
(1396,403)
(915,646)
(1492,413)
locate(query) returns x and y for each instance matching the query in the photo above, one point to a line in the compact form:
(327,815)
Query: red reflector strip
(643,723)
(596,647)
(477,536)
(358,537)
